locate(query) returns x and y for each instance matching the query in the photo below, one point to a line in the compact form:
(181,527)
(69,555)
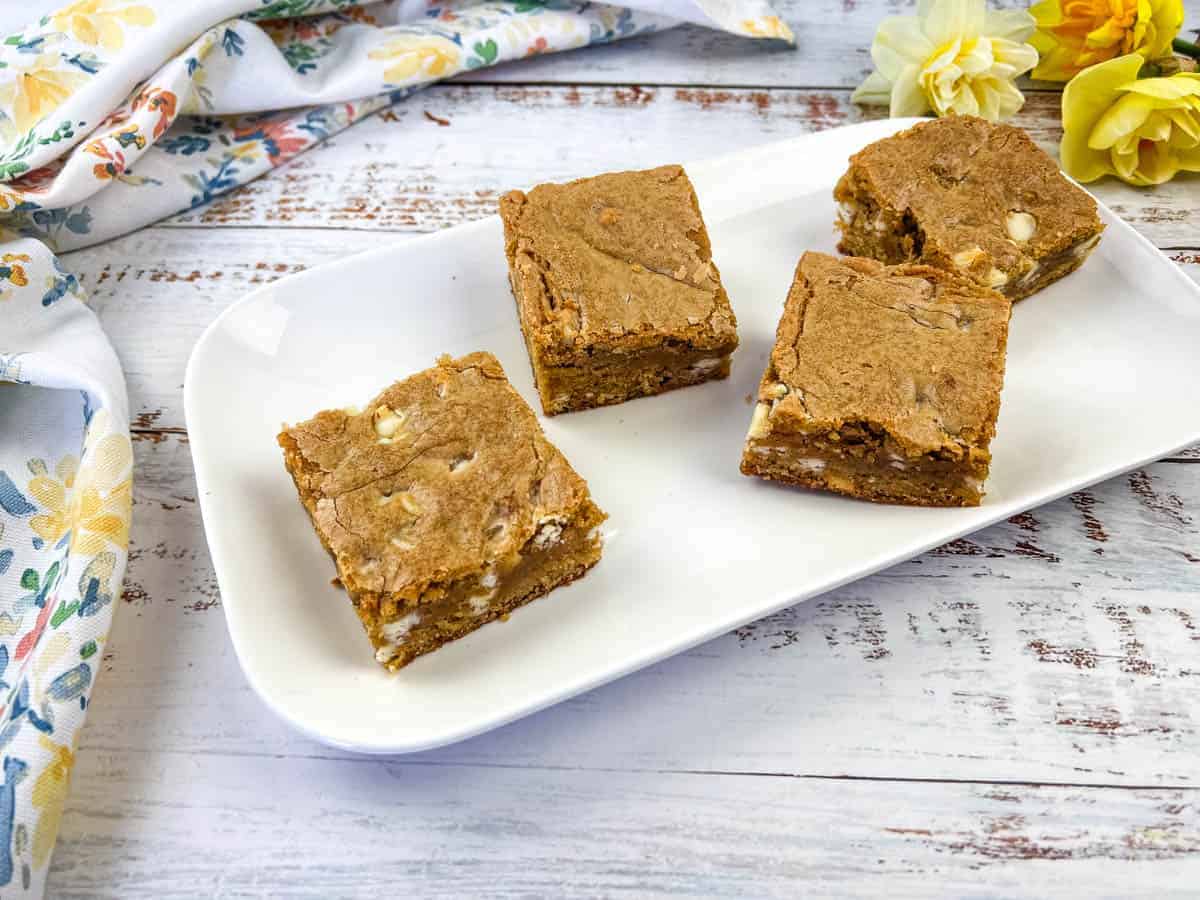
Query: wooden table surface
(1016,713)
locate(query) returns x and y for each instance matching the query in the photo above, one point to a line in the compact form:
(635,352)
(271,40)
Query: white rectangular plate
(1101,377)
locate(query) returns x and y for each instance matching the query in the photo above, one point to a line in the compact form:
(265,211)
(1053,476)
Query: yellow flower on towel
(53,494)
(49,796)
(35,90)
(92,505)
(1143,131)
(1075,34)
(101,22)
(953,56)
(768,27)
(416,57)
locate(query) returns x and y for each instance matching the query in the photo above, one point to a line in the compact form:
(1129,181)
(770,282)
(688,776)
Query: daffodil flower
(953,56)
(1075,34)
(1144,132)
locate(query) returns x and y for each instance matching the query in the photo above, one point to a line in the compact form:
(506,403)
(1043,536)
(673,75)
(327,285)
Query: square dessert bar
(971,196)
(884,383)
(616,290)
(442,504)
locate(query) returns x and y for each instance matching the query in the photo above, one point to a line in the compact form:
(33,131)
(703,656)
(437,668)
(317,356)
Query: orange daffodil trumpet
(1143,131)
(953,56)
(1075,34)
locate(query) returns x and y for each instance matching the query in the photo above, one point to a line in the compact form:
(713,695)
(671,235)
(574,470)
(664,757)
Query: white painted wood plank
(172,825)
(1062,646)
(405,171)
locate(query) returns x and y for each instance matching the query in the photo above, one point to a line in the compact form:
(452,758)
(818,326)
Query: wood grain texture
(1014,714)
(352,182)
(369,828)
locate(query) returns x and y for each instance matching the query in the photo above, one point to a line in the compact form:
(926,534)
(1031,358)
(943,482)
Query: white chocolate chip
(387,421)
(777,391)
(549,531)
(1083,249)
(409,503)
(395,631)
(996,278)
(480,605)
(401,544)
(964,259)
(489,580)
(1020,225)
(706,365)
(758,424)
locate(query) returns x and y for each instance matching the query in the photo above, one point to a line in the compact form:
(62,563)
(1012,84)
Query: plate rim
(390,746)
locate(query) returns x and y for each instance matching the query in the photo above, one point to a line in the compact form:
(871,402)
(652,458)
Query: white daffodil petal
(907,97)
(1009,24)
(977,58)
(1022,57)
(1009,98)
(874,91)
(898,43)
(951,57)
(947,20)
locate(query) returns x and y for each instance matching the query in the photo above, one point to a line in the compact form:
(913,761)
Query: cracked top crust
(441,475)
(616,262)
(984,195)
(910,351)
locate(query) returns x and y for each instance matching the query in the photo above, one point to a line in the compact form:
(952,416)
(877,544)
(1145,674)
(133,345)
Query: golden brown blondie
(971,196)
(442,504)
(884,383)
(616,290)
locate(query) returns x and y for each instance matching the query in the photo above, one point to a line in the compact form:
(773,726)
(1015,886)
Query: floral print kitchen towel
(106,124)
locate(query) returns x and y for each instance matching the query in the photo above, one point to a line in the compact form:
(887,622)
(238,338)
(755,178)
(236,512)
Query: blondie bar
(442,504)
(968,195)
(616,290)
(884,383)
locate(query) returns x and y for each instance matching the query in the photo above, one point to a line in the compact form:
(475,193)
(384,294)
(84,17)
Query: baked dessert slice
(443,505)
(616,289)
(884,383)
(971,196)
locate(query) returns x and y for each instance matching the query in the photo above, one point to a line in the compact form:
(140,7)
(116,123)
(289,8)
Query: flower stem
(1186,47)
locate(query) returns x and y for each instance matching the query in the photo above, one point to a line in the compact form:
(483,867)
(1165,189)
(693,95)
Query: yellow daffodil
(953,56)
(101,22)
(1144,132)
(38,88)
(1075,34)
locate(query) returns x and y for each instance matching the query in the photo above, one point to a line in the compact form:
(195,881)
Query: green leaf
(63,613)
(88,650)
(487,51)
(29,580)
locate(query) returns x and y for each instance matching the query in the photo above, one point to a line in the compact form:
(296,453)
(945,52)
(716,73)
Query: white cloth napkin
(106,124)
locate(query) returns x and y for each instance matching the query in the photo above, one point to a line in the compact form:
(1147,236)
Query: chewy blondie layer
(884,383)
(968,195)
(616,290)
(442,504)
